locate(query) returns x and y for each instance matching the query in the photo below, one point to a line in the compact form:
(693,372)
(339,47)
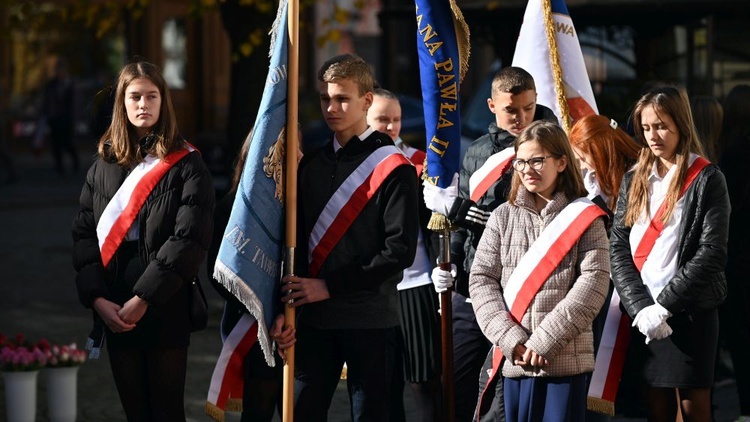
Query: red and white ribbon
(348,201)
(227,381)
(490,172)
(123,208)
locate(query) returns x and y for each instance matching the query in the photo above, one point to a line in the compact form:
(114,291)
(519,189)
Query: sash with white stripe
(416,156)
(489,173)
(124,206)
(610,357)
(227,382)
(348,201)
(540,260)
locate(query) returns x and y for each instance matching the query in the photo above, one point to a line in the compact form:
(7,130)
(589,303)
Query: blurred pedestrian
(57,111)
(668,251)
(142,231)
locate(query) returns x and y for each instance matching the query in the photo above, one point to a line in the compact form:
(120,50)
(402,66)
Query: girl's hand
(108,311)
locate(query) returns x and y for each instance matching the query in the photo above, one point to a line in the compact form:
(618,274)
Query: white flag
(533,55)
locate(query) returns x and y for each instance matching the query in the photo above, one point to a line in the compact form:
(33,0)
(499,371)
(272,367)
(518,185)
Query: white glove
(662,331)
(650,320)
(440,200)
(442,279)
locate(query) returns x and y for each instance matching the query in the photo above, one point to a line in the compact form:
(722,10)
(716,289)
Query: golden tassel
(214,412)
(462,37)
(600,406)
(234,405)
(549,26)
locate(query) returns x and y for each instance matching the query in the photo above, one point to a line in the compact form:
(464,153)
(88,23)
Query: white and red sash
(610,357)
(540,260)
(416,156)
(227,381)
(489,173)
(124,206)
(348,201)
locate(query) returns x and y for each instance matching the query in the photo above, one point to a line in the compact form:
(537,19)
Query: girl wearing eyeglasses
(669,248)
(539,278)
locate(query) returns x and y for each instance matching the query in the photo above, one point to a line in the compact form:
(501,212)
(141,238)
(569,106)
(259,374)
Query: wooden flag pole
(290,217)
(562,101)
(446,330)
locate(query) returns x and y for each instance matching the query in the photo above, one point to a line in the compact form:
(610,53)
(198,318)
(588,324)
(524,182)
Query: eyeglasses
(536,163)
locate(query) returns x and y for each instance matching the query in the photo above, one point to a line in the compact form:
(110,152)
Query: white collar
(362,136)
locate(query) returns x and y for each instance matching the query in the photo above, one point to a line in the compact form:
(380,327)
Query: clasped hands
(652,322)
(528,359)
(120,319)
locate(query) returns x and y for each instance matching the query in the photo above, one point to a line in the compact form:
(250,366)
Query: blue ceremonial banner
(442,45)
(249,259)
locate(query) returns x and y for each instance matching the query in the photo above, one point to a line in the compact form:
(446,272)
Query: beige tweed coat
(557,324)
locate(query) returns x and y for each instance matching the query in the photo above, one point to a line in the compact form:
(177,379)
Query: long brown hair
(552,138)
(670,100)
(120,142)
(612,151)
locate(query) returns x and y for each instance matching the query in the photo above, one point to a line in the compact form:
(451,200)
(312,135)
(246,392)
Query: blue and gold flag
(443,48)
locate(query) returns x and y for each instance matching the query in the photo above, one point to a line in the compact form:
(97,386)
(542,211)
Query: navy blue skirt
(548,399)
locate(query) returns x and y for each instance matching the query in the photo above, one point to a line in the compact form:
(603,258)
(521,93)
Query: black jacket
(362,270)
(699,283)
(175,228)
(471,217)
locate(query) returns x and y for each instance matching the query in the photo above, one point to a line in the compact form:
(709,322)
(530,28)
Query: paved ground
(37,297)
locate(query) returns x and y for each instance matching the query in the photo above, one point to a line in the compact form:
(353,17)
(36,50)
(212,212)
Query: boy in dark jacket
(357,231)
(483,185)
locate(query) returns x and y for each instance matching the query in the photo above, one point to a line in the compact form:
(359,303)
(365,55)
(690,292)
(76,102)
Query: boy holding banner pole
(357,231)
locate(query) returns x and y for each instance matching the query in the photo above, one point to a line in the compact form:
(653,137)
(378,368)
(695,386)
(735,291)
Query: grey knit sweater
(557,324)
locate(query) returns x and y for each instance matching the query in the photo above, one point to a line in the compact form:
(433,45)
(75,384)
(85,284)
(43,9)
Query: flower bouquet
(20,362)
(20,355)
(59,356)
(61,378)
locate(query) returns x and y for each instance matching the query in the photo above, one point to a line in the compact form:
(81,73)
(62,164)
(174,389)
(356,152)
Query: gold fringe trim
(549,26)
(600,406)
(462,39)
(439,223)
(214,412)
(234,405)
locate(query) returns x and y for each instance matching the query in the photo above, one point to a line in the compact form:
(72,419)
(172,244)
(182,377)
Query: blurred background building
(214,55)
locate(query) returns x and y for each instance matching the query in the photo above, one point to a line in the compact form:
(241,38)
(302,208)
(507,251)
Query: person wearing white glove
(443,279)
(652,322)
(677,265)
(440,200)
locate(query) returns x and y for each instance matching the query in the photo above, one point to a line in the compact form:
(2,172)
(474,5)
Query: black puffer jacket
(471,217)
(175,228)
(699,283)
